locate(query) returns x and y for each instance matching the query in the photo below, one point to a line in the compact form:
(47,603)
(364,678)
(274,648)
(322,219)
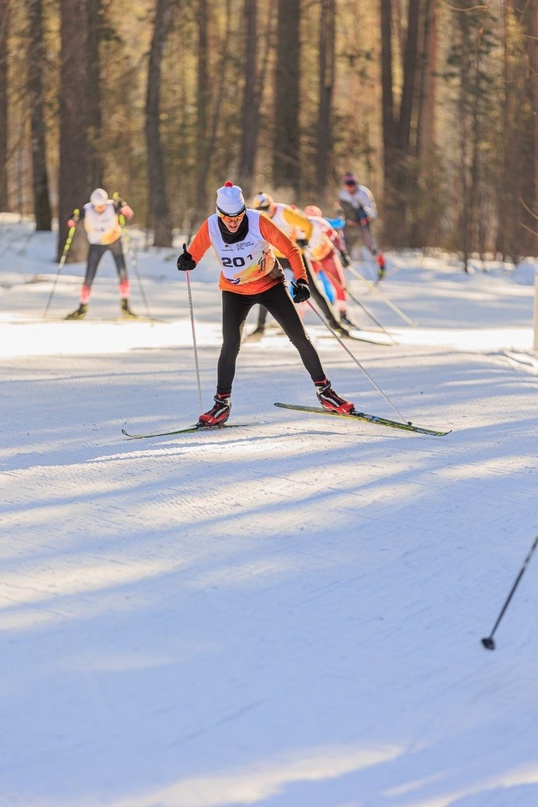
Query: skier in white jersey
(103,229)
(360,211)
(243,242)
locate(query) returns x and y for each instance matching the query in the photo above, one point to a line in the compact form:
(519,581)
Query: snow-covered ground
(289,614)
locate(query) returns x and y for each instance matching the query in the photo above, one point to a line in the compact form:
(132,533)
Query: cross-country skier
(298,228)
(243,241)
(103,229)
(360,210)
(327,252)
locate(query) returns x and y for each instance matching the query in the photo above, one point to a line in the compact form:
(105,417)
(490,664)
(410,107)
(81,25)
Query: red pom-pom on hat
(228,184)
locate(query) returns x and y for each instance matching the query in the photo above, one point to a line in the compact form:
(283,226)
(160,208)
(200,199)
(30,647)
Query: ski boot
(347,322)
(330,400)
(219,414)
(126,311)
(79,313)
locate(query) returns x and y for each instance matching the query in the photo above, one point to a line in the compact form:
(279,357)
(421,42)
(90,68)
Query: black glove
(346,260)
(185,262)
(363,216)
(300,291)
(302,242)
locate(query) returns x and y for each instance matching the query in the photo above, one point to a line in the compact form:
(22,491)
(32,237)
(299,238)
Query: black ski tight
(95,254)
(235,309)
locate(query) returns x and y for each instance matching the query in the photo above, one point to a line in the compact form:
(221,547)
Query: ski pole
(191,308)
(132,256)
(361,305)
(357,362)
(69,239)
(383,296)
(369,241)
(488,642)
(374,320)
(366,234)
(134,262)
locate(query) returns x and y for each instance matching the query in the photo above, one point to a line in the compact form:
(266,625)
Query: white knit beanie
(230,199)
(99,197)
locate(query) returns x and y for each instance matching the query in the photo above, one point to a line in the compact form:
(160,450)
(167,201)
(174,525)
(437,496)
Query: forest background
(434,105)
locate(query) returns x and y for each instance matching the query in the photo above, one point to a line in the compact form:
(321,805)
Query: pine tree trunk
(250,113)
(36,68)
(286,156)
(533,59)
(159,210)
(75,177)
(427,81)
(214,93)
(94,112)
(326,87)
(202,109)
(4,31)
(389,123)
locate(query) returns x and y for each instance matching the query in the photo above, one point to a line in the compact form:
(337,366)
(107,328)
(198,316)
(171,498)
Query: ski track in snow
(286,615)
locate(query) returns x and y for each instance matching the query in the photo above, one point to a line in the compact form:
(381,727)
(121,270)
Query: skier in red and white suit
(297,226)
(326,250)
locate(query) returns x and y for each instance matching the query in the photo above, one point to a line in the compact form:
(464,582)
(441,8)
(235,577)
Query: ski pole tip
(488,643)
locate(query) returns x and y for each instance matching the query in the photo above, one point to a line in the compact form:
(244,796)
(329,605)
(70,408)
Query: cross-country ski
(185,430)
(354,415)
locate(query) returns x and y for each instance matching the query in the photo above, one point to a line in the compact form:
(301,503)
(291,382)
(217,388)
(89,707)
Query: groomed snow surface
(288,614)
